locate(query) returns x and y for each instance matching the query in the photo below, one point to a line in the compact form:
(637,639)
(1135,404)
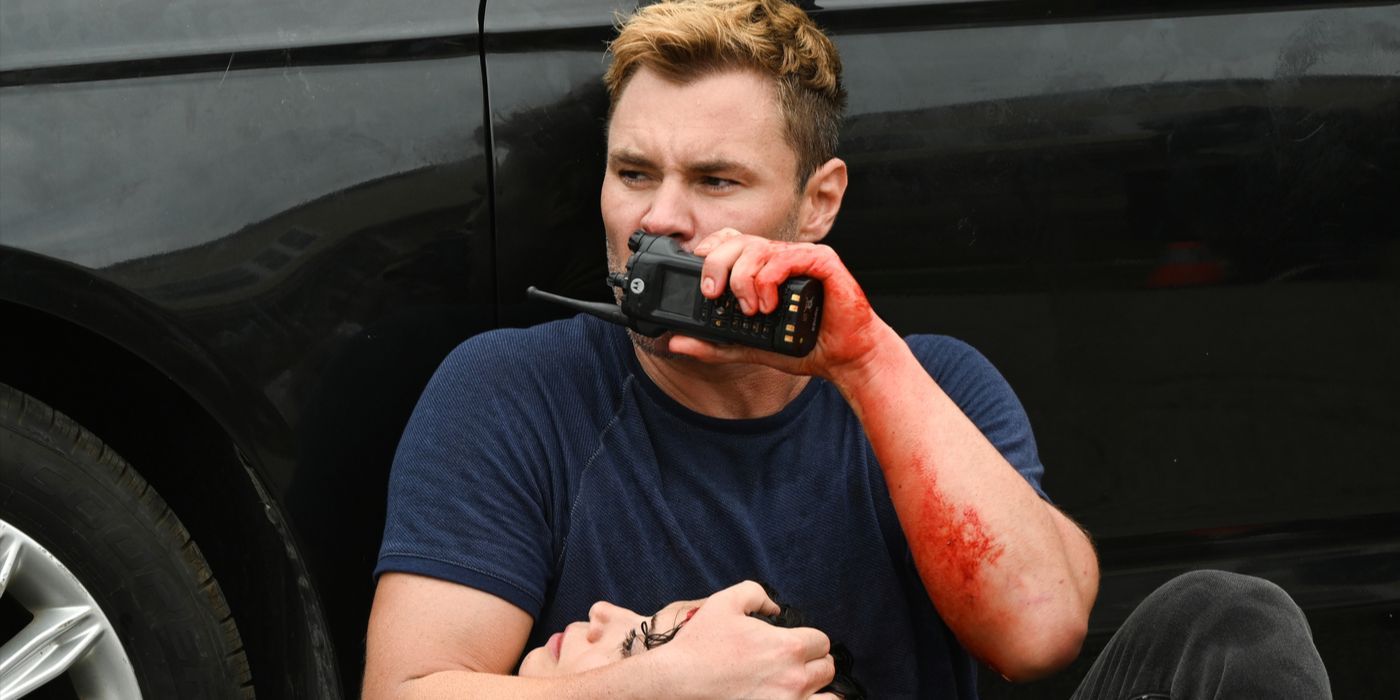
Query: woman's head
(613,633)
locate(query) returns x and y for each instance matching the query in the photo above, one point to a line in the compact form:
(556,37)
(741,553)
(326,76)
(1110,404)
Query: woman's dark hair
(843,684)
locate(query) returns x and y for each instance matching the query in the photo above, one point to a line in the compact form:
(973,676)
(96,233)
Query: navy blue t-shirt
(543,466)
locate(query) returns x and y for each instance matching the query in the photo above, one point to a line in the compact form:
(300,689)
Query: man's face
(689,160)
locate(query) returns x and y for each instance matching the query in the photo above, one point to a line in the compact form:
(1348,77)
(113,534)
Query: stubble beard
(653,347)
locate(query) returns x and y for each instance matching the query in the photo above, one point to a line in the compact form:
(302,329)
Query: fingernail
(744,306)
(707,285)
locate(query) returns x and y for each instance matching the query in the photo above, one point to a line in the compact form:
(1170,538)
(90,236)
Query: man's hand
(753,267)
(724,653)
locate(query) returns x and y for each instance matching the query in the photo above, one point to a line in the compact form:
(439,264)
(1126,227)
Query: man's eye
(717,183)
(631,175)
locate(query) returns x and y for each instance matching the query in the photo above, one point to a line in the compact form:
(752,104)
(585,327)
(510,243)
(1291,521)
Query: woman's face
(611,634)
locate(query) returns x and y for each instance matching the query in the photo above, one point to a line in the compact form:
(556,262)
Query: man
(889,488)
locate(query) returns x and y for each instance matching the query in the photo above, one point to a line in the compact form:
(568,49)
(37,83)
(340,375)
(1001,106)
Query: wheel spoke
(9,557)
(67,635)
(51,643)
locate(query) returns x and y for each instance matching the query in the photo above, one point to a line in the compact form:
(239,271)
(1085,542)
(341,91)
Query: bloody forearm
(1000,568)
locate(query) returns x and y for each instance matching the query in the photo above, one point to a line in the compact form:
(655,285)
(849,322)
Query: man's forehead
(721,100)
(723,118)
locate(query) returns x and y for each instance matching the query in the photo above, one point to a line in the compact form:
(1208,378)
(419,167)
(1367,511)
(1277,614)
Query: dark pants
(1210,634)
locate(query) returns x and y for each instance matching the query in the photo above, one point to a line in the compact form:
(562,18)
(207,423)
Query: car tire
(81,530)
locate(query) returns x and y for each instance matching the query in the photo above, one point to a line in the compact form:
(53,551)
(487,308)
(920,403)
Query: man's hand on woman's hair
(724,652)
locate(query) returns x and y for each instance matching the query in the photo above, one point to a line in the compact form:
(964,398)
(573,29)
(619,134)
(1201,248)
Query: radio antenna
(601,309)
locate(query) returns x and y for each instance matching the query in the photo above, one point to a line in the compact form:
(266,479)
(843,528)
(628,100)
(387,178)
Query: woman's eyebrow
(642,631)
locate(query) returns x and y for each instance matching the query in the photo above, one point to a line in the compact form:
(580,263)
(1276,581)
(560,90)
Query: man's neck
(722,391)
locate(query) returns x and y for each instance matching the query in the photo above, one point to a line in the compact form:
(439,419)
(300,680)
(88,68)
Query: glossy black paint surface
(1175,234)
(77,32)
(297,243)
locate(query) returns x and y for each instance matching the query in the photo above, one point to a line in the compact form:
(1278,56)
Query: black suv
(236,237)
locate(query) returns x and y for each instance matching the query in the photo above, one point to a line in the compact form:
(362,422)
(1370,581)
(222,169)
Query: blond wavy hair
(684,40)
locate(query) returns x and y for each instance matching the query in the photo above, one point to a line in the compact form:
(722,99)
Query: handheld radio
(661,292)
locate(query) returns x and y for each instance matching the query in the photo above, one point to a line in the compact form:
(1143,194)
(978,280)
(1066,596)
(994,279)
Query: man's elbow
(380,685)
(1043,646)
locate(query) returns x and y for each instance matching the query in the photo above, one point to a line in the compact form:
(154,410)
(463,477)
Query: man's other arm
(435,639)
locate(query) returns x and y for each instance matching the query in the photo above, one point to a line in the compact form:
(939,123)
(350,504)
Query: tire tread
(38,422)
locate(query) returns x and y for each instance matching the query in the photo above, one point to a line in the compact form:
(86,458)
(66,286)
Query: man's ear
(821,199)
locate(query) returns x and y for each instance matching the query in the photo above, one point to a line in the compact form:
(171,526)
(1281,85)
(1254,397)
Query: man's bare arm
(421,627)
(434,639)
(1011,575)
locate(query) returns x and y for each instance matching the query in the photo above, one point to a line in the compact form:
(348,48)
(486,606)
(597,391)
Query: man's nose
(669,214)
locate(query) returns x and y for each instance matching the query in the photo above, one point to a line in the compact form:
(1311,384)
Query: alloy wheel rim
(69,634)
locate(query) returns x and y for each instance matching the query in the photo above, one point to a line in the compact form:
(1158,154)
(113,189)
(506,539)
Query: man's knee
(1210,594)
(1215,634)
(1217,611)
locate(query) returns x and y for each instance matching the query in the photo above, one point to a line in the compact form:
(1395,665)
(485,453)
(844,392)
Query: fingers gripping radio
(661,292)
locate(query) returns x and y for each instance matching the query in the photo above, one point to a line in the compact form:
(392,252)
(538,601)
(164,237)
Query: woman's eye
(627,643)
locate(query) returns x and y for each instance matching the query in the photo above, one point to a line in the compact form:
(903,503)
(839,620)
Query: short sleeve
(986,398)
(469,489)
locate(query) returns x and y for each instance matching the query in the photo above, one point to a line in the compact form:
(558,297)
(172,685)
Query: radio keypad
(723,314)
